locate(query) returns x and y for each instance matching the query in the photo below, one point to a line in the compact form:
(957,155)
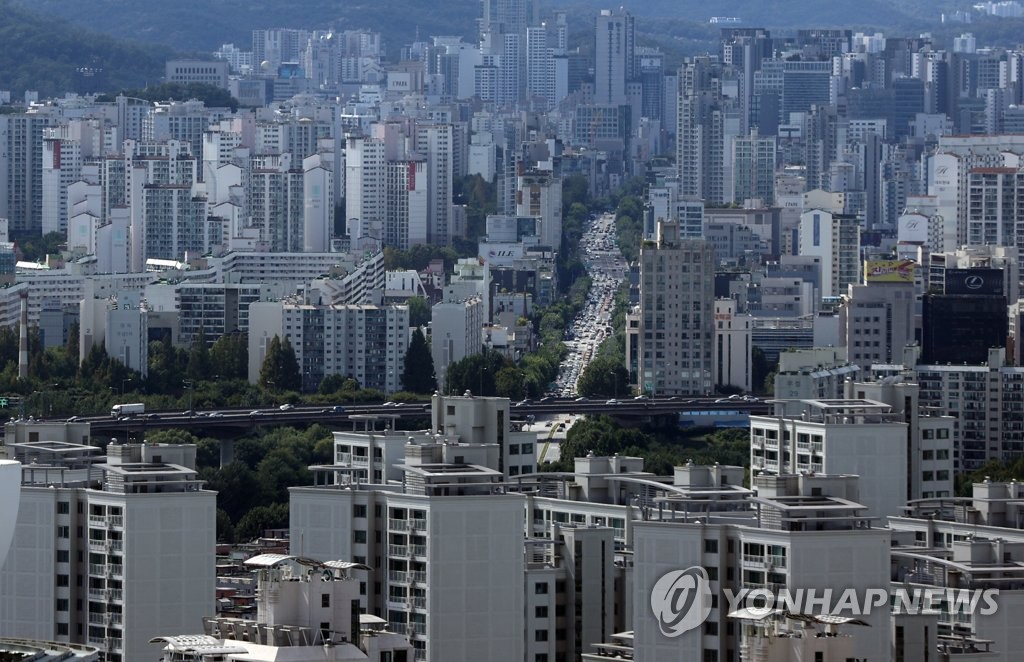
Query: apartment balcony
(98,593)
(417,628)
(418,524)
(116,521)
(398,550)
(116,570)
(418,550)
(418,576)
(398,524)
(398,576)
(98,569)
(98,520)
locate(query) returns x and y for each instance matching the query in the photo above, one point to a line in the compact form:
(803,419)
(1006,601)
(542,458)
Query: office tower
(745,49)
(650,71)
(676,315)
(962,325)
(614,41)
(753,168)
(834,239)
(137,528)
(876,319)
(820,145)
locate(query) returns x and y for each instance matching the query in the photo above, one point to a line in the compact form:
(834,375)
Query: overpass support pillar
(227,452)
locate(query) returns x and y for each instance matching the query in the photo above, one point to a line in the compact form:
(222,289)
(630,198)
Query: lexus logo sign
(974,282)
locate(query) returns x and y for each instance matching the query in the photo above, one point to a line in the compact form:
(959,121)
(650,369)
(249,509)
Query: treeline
(211,95)
(252,491)
(661,449)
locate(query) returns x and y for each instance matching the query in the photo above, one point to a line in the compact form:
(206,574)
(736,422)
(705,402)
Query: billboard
(889,271)
(974,281)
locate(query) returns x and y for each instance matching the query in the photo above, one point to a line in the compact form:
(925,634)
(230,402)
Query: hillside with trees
(54,56)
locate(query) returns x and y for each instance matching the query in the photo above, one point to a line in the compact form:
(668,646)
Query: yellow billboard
(889,271)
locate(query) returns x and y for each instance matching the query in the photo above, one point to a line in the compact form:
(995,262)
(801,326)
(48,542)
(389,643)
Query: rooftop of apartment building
(835,411)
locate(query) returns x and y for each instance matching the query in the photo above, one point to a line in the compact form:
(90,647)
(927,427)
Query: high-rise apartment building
(753,168)
(676,331)
(835,239)
(21,190)
(110,554)
(456,331)
(365,342)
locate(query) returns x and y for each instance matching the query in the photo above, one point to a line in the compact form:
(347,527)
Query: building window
(359,537)
(325,600)
(540,588)
(63,507)
(540,612)
(710,546)
(540,635)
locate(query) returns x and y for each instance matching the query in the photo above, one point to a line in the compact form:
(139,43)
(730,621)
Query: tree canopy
(280,371)
(418,373)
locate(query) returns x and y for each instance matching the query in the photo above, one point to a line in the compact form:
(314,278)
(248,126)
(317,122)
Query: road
(360,414)
(607,270)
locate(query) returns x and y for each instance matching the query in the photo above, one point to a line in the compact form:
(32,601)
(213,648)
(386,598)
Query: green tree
(420,312)
(230,356)
(199,357)
(280,370)
(418,371)
(476,374)
(225,531)
(604,376)
(510,382)
(259,519)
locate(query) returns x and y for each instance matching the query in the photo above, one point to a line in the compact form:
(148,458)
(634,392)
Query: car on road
(286,407)
(581,400)
(613,401)
(188,412)
(151,417)
(255,412)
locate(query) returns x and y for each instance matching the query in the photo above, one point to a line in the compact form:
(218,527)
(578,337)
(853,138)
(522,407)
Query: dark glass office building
(961,328)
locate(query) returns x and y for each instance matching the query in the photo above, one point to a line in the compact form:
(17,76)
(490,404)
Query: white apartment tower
(456,331)
(115,560)
(676,331)
(848,437)
(435,142)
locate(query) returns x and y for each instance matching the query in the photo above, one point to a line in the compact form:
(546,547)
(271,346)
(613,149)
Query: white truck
(131,409)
